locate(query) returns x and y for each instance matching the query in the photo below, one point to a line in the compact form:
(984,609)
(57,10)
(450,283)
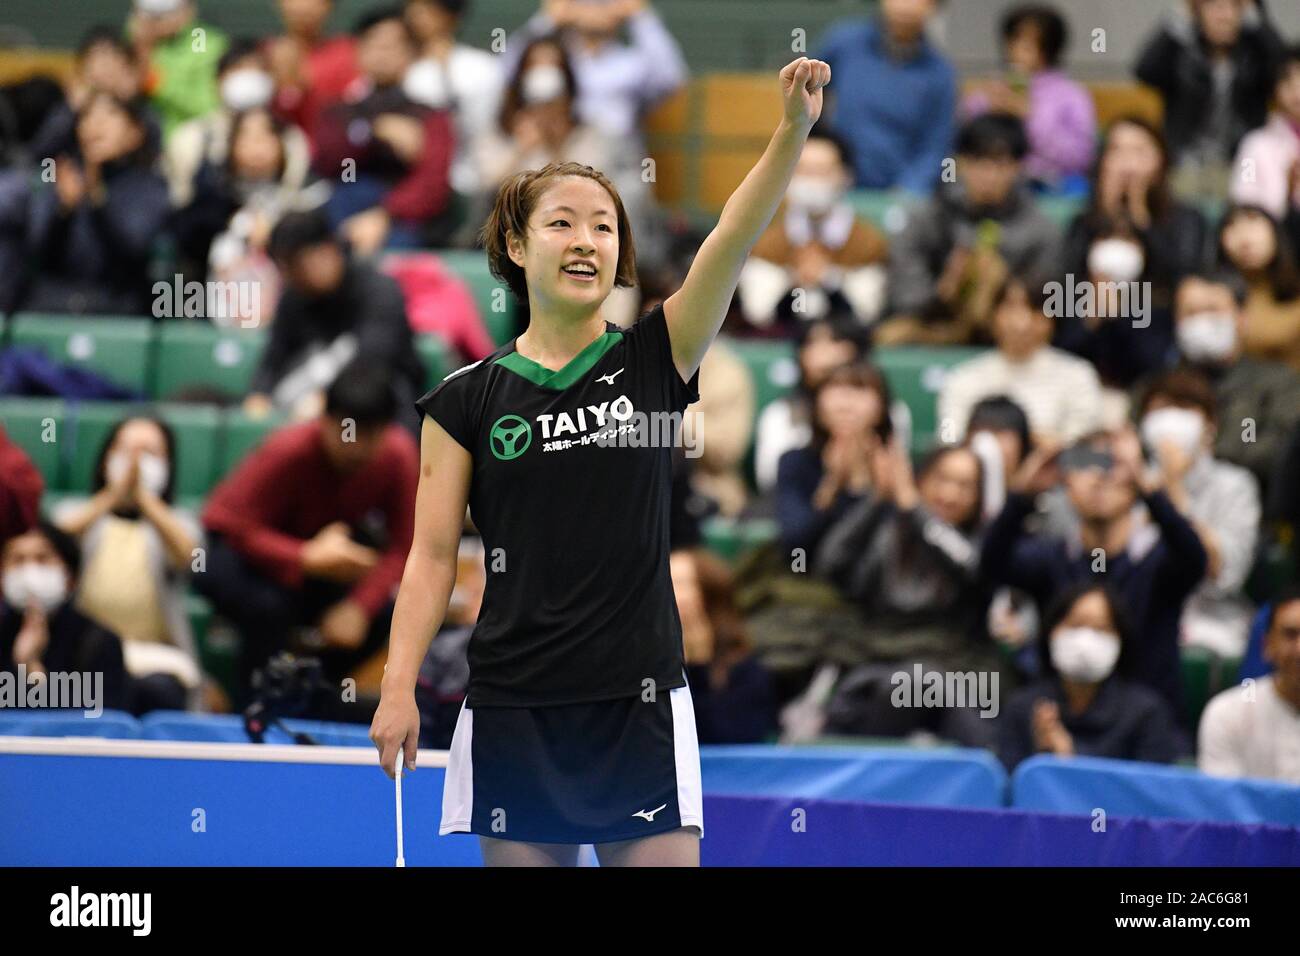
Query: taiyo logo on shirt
(512,435)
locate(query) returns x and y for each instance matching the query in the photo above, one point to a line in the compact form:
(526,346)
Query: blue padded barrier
(229,728)
(934,778)
(1129,789)
(112,724)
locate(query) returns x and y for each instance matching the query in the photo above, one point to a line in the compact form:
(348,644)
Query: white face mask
(1207,336)
(153,470)
(542,84)
(246,89)
(426,83)
(815,195)
(46,584)
(1182,426)
(1084,654)
(1116,260)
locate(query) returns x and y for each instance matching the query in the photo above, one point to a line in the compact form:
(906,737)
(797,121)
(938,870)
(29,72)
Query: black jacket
(77,645)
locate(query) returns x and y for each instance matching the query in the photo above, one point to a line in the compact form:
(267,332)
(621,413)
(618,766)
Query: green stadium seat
(437,357)
(915,374)
(1204,675)
(196,353)
(496,303)
(29,422)
(1060,209)
(120,349)
(196,427)
(240,435)
(886,210)
(772,365)
(729,538)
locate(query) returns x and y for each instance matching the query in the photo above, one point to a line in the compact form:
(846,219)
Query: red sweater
(331,67)
(286,490)
(21,486)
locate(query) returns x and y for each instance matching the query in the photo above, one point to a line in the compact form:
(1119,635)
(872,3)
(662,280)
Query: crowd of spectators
(1105,477)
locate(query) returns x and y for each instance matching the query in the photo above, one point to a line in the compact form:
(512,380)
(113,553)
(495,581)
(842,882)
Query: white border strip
(186,750)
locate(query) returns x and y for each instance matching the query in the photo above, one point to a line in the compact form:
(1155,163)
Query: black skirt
(575,773)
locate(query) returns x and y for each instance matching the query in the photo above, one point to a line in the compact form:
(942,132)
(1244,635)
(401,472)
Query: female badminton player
(578,725)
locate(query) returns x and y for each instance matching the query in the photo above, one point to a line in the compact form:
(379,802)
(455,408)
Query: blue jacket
(896,115)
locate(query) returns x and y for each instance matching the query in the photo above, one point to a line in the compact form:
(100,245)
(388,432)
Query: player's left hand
(801,89)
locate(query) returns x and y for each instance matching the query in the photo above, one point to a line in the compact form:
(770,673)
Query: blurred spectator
(1258,402)
(1060,393)
(104,62)
(26,105)
(786,423)
(1058,113)
(21,487)
(893,96)
(1215,71)
(719,427)
(907,554)
(333,308)
(388,157)
(1153,565)
(1000,418)
(1251,242)
(732,692)
(181,54)
(313,528)
(539,124)
(817,484)
(1253,730)
(1130,194)
(616,83)
(1085,704)
(41,630)
(1178,425)
(236,202)
(245,84)
(457,77)
(1117,313)
(83,242)
(817,256)
(957,251)
(138,550)
(1267,170)
(311,70)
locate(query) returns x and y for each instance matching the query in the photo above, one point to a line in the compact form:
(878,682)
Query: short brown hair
(1182,387)
(515,202)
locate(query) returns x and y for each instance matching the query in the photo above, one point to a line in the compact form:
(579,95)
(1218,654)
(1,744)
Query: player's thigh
(516,853)
(680,847)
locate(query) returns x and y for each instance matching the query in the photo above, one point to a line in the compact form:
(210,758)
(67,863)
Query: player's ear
(515,249)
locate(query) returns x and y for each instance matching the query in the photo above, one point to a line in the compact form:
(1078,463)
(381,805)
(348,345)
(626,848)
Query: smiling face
(570,254)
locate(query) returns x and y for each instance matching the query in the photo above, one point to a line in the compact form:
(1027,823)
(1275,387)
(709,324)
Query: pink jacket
(1264,161)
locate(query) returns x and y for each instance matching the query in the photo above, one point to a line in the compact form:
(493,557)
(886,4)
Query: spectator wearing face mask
(1215,71)
(1060,393)
(104,61)
(40,629)
(138,551)
(1253,730)
(1266,172)
(388,157)
(181,53)
(1130,195)
(83,243)
(817,484)
(958,250)
(616,83)
(1085,703)
(311,70)
(1252,242)
(907,554)
(1154,565)
(894,96)
(244,81)
(1258,401)
(817,256)
(1058,113)
(1117,315)
(454,76)
(1177,423)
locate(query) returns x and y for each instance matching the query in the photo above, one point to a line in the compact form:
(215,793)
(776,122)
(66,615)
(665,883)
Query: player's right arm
(422,597)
